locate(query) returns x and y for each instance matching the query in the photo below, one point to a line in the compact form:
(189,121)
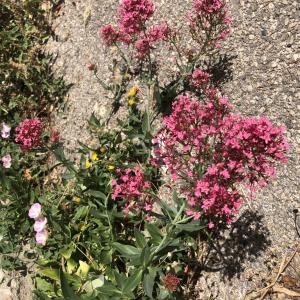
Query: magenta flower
(29,133)
(40,224)
(109,34)
(134,189)
(210,151)
(35,211)
(5,131)
(200,78)
(6,160)
(41,237)
(207,7)
(133,14)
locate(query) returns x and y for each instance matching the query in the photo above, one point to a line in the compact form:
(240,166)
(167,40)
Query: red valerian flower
(132,187)
(133,14)
(209,152)
(171,282)
(29,133)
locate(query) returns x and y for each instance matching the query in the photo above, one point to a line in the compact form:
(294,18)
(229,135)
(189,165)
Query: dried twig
(283,266)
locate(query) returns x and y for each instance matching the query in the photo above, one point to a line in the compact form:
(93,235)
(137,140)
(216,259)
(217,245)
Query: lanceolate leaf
(67,291)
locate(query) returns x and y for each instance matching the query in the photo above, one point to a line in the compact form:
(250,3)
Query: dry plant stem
(281,270)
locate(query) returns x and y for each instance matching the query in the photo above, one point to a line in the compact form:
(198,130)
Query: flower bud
(35,211)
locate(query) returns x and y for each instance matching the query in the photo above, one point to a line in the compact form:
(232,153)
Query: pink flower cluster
(29,133)
(40,224)
(200,78)
(134,189)
(209,152)
(132,29)
(207,7)
(210,16)
(133,14)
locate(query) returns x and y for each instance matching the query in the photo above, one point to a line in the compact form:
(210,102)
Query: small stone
(5,294)
(271,6)
(251,37)
(264,32)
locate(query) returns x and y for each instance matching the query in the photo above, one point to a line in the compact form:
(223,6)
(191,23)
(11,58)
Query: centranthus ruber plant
(117,228)
(210,151)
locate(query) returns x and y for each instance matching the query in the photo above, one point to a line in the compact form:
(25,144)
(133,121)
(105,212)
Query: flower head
(171,282)
(94,156)
(109,34)
(134,189)
(200,78)
(29,133)
(35,211)
(234,150)
(5,131)
(87,164)
(54,135)
(133,91)
(6,160)
(133,14)
(131,101)
(41,237)
(40,224)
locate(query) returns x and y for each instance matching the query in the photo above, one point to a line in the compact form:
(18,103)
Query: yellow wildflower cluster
(132,95)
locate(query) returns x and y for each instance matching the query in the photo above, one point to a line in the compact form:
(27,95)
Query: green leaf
(67,291)
(139,239)
(106,257)
(190,227)
(98,282)
(109,289)
(71,265)
(145,256)
(97,194)
(81,212)
(127,250)
(83,269)
(50,273)
(148,282)
(94,121)
(133,281)
(67,252)
(154,232)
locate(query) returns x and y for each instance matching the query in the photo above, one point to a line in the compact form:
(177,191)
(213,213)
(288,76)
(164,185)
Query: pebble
(5,294)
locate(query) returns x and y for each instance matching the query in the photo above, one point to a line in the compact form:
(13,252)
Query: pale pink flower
(6,160)
(5,131)
(41,237)
(35,211)
(40,224)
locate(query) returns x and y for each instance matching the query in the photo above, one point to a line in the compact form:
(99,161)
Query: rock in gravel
(5,294)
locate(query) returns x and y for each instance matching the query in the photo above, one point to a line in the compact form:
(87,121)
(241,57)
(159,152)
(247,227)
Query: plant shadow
(246,240)
(221,69)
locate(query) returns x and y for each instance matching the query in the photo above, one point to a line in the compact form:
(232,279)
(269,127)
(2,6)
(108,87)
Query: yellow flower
(132,92)
(76,200)
(94,156)
(87,164)
(110,167)
(131,101)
